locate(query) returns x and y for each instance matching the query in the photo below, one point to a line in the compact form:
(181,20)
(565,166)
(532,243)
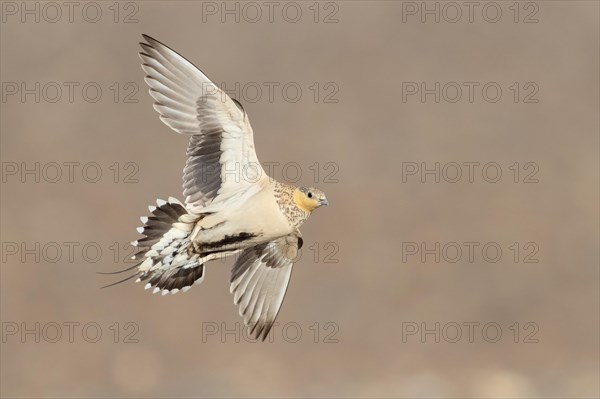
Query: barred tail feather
(163,257)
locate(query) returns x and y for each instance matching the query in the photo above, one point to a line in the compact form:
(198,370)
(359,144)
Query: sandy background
(361,142)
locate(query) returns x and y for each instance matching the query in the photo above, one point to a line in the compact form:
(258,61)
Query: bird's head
(309,198)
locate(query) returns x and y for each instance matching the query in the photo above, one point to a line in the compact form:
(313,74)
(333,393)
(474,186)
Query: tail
(164,258)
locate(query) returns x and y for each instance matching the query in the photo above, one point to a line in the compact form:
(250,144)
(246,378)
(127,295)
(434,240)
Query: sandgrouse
(232,207)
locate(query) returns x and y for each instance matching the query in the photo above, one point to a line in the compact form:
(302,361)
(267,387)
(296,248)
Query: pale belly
(256,221)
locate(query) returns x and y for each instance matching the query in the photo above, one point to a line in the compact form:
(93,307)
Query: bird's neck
(291,209)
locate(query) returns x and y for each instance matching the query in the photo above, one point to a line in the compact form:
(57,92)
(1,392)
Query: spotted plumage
(243,213)
(284,195)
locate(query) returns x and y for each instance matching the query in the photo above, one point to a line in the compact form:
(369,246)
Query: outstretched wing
(259,280)
(221,157)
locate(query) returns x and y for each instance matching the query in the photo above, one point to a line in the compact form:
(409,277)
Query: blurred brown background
(371,296)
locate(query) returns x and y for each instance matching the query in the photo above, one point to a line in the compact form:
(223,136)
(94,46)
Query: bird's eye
(309,195)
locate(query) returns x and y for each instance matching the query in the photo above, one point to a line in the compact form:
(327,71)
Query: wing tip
(150,40)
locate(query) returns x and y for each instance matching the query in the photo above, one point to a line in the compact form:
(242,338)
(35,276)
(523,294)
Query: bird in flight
(232,207)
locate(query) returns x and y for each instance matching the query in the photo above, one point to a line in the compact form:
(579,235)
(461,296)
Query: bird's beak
(324,201)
